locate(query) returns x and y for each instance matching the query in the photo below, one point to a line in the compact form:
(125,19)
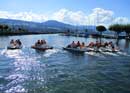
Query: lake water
(59,71)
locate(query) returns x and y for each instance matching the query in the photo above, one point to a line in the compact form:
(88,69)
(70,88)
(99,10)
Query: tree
(118,28)
(21,30)
(1,28)
(127,30)
(86,30)
(101,29)
(5,29)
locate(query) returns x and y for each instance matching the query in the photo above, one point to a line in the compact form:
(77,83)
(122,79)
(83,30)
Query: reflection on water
(59,71)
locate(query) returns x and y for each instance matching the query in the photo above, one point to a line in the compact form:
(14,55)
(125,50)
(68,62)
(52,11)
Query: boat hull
(89,50)
(41,49)
(13,48)
(74,50)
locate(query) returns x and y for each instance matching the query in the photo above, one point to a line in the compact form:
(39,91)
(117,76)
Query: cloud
(101,16)
(121,20)
(96,17)
(67,16)
(27,16)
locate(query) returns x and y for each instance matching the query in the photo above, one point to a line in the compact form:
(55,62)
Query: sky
(77,12)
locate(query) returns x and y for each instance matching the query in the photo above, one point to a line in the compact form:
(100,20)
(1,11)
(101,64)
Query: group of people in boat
(92,45)
(76,45)
(40,43)
(103,45)
(98,44)
(16,43)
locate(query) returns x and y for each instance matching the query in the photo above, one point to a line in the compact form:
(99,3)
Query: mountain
(48,26)
(53,23)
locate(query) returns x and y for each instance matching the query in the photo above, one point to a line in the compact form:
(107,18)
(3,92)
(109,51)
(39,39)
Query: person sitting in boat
(82,45)
(18,42)
(12,43)
(97,44)
(78,44)
(43,44)
(91,44)
(72,45)
(105,44)
(112,46)
(38,43)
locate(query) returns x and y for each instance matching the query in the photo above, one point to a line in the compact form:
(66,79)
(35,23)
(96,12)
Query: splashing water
(48,53)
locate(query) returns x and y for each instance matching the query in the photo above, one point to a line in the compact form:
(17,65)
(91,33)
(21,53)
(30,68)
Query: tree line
(9,30)
(118,28)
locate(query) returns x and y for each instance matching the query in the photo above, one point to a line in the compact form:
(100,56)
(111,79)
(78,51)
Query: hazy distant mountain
(50,25)
(54,23)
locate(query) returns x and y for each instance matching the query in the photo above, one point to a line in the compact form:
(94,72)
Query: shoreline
(96,36)
(38,33)
(29,33)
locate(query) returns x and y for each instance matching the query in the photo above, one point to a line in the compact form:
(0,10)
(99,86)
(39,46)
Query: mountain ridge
(49,25)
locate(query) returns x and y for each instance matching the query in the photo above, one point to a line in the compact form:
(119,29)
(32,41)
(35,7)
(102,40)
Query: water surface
(59,71)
